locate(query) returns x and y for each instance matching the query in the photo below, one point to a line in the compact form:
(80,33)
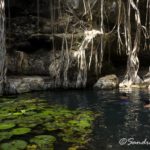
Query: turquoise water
(122,116)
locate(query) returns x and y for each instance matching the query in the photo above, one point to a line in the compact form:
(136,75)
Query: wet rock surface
(108,82)
(18,85)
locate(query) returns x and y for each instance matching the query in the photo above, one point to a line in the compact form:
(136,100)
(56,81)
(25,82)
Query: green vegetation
(39,126)
(14,145)
(44,142)
(5,135)
(19,131)
(4,126)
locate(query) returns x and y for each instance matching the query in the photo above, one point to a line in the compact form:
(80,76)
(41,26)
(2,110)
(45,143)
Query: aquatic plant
(14,145)
(5,135)
(70,126)
(4,126)
(78,129)
(20,131)
(45,142)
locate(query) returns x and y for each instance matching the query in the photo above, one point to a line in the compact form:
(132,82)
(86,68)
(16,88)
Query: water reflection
(120,117)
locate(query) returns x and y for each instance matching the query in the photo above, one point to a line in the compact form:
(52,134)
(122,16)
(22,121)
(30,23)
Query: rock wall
(35,33)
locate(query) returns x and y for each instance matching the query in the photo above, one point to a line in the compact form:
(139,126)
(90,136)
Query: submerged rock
(107,82)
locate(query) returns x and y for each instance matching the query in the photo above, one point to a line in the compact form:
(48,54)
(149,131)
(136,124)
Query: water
(121,117)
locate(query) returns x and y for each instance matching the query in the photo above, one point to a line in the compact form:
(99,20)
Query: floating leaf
(5,135)
(45,142)
(20,131)
(14,145)
(4,126)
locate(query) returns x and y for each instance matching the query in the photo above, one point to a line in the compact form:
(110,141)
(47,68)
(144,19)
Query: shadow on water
(122,115)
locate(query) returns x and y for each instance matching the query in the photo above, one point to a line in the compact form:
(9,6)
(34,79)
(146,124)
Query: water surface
(122,115)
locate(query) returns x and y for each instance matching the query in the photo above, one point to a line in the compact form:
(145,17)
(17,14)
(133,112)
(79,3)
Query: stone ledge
(24,84)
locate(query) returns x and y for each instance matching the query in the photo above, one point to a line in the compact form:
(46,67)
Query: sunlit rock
(107,82)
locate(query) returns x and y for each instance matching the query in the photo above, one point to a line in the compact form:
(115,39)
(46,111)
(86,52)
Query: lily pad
(5,135)
(71,126)
(44,142)
(84,124)
(14,145)
(20,131)
(27,125)
(50,126)
(28,122)
(4,126)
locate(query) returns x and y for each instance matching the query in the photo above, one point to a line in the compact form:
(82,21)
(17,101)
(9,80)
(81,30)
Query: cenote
(70,120)
(64,68)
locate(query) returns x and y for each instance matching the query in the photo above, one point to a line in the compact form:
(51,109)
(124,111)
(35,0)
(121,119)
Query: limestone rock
(107,82)
(18,85)
(24,84)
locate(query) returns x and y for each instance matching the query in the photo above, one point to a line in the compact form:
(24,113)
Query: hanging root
(118,25)
(133,61)
(124,39)
(82,64)
(2,47)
